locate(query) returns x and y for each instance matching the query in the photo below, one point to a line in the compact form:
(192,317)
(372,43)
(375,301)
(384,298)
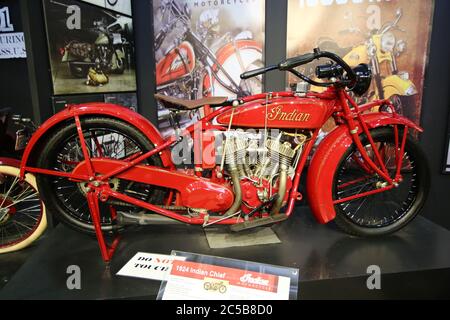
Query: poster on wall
(202,48)
(12,43)
(392,36)
(91,49)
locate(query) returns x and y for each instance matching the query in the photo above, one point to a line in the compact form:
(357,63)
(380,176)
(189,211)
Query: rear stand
(106,250)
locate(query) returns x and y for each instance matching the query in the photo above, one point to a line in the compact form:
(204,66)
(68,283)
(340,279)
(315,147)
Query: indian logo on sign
(5,22)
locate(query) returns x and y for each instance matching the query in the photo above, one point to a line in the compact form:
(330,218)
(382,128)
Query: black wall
(435,103)
(435,114)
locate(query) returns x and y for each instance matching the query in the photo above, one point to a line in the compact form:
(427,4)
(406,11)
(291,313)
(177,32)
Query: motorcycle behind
(108,53)
(22,213)
(102,167)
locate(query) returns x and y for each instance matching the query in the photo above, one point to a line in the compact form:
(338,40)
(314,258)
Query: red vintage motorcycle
(368,174)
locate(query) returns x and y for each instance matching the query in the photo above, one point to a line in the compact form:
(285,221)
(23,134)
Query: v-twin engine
(261,167)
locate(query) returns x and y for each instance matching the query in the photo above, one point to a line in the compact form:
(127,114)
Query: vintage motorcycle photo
(201,62)
(101,168)
(380,50)
(110,52)
(91,49)
(215,286)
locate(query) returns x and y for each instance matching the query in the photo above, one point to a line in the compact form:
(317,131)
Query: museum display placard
(12,43)
(202,277)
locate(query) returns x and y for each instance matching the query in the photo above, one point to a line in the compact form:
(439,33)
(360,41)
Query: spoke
(356,187)
(19,201)
(7,193)
(22,225)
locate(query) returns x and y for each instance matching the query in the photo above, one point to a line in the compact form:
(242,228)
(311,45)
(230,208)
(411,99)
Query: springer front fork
(376,166)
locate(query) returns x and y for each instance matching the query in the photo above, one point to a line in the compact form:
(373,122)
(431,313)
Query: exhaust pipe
(237,193)
(281,190)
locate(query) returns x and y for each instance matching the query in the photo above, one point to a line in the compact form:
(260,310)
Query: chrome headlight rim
(400,47)
(388,42)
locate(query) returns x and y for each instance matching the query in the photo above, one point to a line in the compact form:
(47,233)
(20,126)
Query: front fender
(102,109)
(327,157)
(394,85)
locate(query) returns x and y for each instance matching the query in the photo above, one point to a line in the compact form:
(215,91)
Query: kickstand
(106,250)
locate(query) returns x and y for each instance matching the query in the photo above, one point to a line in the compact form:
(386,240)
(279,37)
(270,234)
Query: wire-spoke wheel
(22,213)
(388,211)
(105,138)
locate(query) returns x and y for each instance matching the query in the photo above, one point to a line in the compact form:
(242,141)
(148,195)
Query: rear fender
(9,162)
(327,157)
(93,109)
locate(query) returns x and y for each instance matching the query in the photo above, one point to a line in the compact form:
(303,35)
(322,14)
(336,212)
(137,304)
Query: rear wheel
(105,138)
(391,210)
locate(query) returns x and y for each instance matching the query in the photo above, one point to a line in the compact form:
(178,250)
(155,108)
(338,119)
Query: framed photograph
(91,49)
(202,48)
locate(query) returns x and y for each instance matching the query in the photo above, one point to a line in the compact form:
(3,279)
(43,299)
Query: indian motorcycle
(102,167)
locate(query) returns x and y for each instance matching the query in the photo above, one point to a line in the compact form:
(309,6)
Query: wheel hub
(114,184)
(7,209)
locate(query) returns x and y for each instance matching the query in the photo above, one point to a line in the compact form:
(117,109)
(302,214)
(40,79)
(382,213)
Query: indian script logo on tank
(277,114)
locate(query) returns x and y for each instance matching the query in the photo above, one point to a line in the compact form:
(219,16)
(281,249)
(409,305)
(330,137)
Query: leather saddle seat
(181,104)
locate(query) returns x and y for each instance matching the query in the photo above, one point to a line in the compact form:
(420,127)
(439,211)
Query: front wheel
(388,211)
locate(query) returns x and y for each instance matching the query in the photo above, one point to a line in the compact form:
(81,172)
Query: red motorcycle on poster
(99,165)
(201,62)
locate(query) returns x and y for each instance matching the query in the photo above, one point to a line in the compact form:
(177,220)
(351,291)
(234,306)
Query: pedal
(258,222)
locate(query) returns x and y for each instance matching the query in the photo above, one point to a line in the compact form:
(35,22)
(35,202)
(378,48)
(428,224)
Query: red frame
(348,115)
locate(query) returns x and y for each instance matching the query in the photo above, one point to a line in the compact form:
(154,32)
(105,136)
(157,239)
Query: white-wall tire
(30,179)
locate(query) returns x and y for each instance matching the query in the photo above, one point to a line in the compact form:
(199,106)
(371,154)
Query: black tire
(415,188)
(63,210)
(78,71)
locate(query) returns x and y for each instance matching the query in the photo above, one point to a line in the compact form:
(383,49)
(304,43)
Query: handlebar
(297,61)
(257,72)
(292,63)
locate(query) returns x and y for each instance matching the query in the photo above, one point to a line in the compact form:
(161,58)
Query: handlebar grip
(257,72)
(297,61)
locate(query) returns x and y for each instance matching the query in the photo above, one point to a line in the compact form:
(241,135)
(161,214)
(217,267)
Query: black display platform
(415,262)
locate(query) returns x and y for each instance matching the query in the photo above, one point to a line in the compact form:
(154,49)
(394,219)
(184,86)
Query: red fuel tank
(292,112)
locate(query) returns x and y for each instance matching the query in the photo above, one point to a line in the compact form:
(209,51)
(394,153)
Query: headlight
(388,42)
